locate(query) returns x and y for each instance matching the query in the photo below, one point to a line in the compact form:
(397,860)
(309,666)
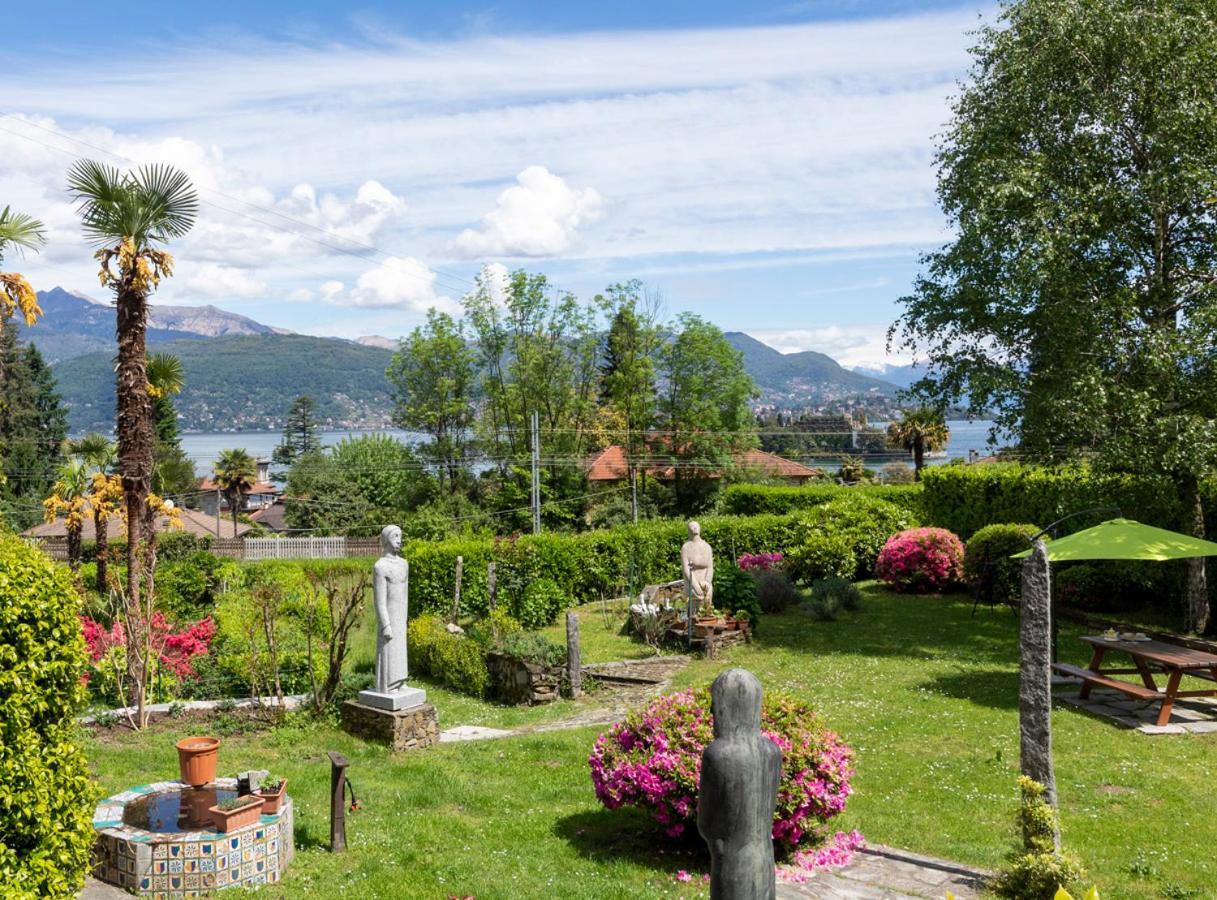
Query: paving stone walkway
(882,873)
(1190,715)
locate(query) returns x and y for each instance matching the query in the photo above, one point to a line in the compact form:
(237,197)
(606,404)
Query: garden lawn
(925,692)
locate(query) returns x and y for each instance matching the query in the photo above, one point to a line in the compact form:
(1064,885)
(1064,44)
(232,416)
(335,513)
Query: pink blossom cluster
(921,559)
(653,760)
(760,562)
(836,853)
(175,650)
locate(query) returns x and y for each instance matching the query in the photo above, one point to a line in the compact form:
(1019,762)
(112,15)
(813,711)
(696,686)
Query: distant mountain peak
(377,340)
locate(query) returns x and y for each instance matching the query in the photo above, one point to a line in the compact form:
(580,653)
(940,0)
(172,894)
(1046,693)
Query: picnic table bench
(1148,657)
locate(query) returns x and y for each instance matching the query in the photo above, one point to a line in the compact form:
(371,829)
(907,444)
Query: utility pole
(536,473)
(634,493)
(218,514)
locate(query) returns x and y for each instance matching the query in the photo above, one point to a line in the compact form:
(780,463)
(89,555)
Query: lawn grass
(924,691)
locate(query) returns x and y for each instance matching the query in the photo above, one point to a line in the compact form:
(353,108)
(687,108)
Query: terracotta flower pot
(196,757)
(226,820)
(272,802)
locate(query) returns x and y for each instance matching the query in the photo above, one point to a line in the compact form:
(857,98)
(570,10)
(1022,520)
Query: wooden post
(456,597)
(338,780)
(491,584)
(574,666)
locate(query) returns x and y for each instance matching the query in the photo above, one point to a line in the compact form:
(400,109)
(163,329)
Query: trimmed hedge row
(967,498)
(587,566)
(762,499)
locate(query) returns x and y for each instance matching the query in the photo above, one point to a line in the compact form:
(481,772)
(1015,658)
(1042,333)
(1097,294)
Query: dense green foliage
(1037,870)
(842,538)
(299,432)
(735,592)
(987,567)
(754,499)
(539,603)
(33,425)
(456,662)
(46,792)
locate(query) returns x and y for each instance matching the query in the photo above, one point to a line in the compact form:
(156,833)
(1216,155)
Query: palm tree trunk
(918,458)
(101,550)
(234,502)
(134,427)
(74,548)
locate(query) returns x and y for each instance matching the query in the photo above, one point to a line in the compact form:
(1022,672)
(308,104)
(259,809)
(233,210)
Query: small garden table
(1148,657)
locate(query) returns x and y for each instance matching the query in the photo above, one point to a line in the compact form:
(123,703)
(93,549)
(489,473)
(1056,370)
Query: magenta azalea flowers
(921,559)
(759,562)
(653,760)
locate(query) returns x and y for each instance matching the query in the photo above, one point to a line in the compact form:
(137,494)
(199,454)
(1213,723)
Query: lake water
(204,447)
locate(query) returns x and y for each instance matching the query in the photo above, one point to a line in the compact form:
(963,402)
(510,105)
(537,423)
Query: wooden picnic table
(1148,657)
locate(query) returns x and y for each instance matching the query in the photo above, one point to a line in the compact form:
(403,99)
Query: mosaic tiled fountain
(158,841)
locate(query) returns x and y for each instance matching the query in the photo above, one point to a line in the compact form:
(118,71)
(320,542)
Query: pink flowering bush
(921,560)
(175,650)
(653,760)
(760,562)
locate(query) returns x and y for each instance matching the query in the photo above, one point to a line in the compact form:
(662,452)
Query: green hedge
(760,499)
(46,792)
(587,566)
(965,499)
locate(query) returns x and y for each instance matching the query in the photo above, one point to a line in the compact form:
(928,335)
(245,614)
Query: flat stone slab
(1190,715)
(883,873)
(99,890)
(403,699)
(471,733)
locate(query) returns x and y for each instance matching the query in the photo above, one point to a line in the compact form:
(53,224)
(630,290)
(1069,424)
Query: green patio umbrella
(1125,539)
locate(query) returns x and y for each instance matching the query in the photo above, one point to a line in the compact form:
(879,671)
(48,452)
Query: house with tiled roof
(610,465)
(263,494)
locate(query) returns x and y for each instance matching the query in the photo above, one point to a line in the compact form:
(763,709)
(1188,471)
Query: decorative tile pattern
(187,864)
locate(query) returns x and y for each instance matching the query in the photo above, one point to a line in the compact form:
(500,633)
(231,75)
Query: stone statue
(697,567)
(390,593)
(740,773)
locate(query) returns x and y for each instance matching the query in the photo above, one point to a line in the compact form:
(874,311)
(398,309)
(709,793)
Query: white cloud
(537,216)
(851,345)
(497,279)
(405,284)
(214,281)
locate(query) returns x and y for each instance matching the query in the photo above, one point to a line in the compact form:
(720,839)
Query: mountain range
(243,375)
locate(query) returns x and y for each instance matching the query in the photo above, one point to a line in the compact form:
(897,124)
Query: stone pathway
(882,873)
(97,890)
(1191,715)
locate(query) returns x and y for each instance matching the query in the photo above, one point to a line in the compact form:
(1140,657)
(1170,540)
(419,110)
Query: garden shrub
(532,647)
(921,560)
(774,590)
(1037,870)
(842,538)
(46,791)
(987,567)
(831,595)
(735,592)
(653,760)
(825,554)
(538,603)
(1114,585)
(457,662)
(758,499)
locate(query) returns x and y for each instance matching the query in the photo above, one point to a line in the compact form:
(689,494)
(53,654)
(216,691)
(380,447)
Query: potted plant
(272,792)
(196,757)
(236,812)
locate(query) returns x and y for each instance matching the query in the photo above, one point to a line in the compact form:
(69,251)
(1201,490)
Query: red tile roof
(610,465)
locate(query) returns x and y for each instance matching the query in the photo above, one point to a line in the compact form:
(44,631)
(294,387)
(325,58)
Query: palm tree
(236,472)
(919,430)
(69,495)
(130,216)
(18,232)
(99,452)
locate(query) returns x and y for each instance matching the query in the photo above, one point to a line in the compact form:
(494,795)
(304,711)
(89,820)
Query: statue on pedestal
(740,773)
(697,567)
(390,593)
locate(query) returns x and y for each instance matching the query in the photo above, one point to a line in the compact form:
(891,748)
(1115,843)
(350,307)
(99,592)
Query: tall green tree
(236,472)
(33,427)
(704,412)
(434,377)
(172,470)
(1078,298)
(537,351)
(299,432)
(627,385)
(130,217)
(919,431)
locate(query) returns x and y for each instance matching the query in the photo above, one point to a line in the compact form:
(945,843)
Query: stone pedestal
(401,729)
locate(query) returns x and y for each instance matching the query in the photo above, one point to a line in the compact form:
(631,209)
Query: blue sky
(766,165)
